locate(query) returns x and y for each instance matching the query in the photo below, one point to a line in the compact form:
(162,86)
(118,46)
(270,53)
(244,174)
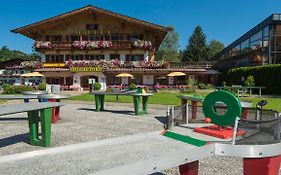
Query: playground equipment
(152,152)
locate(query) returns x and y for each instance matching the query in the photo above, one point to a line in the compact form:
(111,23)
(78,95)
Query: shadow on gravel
(13,140)
(161,119)
(13,119)
(157,174)
(106,110)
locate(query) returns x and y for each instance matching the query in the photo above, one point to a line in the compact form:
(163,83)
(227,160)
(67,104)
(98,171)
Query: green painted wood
(44,117)
(136,104)
(144,104)
(98,102)
(233,104)
(185,139)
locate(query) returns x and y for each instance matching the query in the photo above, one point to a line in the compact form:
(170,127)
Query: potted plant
(96,86)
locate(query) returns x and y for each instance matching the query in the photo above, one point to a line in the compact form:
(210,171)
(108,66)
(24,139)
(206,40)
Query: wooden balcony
(63,45)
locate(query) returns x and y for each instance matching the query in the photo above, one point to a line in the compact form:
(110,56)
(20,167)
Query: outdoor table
(37,113)
(194,104)
(36,93)
(242,88)
(53,98)
(99,99)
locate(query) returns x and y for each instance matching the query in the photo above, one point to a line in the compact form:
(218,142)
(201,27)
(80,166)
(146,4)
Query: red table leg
(262,166)
(189,168)
(194,109)
(244,113)
(55,111)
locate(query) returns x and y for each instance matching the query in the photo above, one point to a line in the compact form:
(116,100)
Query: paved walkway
(80,123)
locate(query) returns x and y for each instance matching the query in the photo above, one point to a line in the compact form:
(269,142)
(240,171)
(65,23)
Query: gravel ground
(80,123)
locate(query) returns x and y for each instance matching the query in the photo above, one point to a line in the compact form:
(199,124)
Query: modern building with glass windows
(260,45)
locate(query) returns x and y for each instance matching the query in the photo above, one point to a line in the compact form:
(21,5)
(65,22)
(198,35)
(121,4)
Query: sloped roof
(95,9)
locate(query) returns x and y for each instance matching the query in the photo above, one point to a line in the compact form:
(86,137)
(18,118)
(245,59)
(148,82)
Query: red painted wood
(262,166)
(55,111)
(219,132)
(194,109)
(189,168)
(244,113)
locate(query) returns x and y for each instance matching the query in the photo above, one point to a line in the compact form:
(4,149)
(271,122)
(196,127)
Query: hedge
(268,76)
(9,89)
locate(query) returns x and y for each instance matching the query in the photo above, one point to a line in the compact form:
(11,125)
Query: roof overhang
(24,30)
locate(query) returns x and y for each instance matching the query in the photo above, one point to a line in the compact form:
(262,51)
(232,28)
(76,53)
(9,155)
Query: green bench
(39,114)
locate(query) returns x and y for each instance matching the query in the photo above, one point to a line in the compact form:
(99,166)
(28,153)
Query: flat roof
(272,19)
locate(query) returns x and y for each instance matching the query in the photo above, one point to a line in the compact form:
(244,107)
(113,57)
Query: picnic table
(241,89)
(53,98)
(99,99)
(194,105)
(41,98)
(37,113)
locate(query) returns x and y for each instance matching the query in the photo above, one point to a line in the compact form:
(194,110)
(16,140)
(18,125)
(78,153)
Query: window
(74,38)
(114,56)
(54,59)
(134,57)
(47,38)
(133,37)
(92,26)
(56,38)
(245,46)
(266,31)
(256,36)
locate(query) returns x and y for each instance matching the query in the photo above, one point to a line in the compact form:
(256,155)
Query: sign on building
(53,64)
(86,69)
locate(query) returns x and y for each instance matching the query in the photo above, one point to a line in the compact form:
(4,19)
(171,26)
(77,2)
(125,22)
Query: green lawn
(169,98)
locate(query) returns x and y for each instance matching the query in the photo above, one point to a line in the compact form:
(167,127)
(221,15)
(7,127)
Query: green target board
(232,103)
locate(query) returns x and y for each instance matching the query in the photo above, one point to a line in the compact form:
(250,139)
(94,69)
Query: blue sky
(223,20)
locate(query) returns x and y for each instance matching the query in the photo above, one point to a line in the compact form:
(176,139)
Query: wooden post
(189,168)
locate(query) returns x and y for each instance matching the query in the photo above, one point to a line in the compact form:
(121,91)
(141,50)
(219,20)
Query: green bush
(202,86)
(96,86)
(210,86)
(133,86)
(16,89)
(250,81)
(268,76)
(42,86)
(190,82)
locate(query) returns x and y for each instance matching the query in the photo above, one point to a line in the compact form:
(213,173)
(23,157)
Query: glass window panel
(245,46)
(235,51)
(114,56)
(265,42)
(277,30)
(256,36)
(256,45)
(277,43)
(266,31)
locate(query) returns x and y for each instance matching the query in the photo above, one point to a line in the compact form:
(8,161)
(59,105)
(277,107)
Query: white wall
(148,79)
(100,75)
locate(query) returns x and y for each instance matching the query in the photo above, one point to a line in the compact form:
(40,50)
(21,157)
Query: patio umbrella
(32,74)
(175,74)
(161,78)
(125,75)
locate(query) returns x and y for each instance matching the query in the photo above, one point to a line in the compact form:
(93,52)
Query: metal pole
(235,130)
(278,126)
(186,113)
(172,115)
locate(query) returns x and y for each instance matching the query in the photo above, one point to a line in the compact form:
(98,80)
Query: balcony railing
(65,45)
(192,64)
